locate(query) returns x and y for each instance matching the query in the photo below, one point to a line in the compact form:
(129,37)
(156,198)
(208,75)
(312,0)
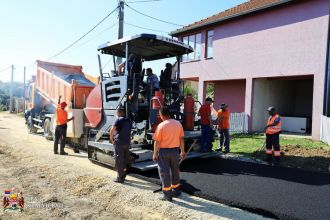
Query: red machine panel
(93,110)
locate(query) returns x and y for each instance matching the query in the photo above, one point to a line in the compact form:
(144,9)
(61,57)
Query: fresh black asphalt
(276,192)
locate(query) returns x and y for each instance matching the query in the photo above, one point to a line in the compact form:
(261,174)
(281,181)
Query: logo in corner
(13,200)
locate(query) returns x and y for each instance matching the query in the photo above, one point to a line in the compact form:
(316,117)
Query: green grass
(250,143)
(298,152)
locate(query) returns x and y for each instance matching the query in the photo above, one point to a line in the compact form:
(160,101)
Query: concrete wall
(289,97)
(286,41)
(231,92)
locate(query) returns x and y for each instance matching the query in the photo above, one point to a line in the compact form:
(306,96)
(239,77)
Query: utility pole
(11,90)
(121,24)
(24,88)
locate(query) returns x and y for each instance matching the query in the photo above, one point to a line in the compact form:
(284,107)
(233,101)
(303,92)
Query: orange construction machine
(51,81)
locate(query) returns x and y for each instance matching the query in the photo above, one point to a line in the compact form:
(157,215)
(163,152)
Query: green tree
(210,90)
(190,90)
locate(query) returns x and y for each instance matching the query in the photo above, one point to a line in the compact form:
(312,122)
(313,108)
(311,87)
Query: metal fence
(325,129)
(238,123)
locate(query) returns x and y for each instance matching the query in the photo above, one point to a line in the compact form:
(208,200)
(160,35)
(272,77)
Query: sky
(33,30)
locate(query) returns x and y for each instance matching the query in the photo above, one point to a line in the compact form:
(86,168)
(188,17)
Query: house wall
(286,41)
(289,97)
(231,92)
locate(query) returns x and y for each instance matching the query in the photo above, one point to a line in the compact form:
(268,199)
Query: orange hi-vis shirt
(223,119)
(61,116)
(204,112)
(274,129)
(169,133)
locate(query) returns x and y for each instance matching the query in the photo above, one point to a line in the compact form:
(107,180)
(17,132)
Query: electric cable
(4,69)
(157,19)
(68,47)
(144,1)
(149,29)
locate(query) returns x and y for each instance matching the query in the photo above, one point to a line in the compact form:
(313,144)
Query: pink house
(262,53)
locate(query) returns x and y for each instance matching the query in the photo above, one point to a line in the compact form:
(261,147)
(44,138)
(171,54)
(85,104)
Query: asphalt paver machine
(129,90)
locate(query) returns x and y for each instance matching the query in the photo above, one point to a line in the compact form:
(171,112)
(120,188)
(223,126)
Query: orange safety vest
(273,129)
(61,116)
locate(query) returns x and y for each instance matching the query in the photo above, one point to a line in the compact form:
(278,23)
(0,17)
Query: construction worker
(206,126)
(120,136)
(134,65)
(61,126)
(223,127)
(273,130)
(152,83)
(169,138)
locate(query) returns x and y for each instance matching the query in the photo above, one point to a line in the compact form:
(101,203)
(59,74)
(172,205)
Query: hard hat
(223,105)
(271,108)
(63,104)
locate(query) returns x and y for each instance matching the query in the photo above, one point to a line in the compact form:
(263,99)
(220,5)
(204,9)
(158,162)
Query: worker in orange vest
(61,126)
(223,127)
(273,130)
(168,146)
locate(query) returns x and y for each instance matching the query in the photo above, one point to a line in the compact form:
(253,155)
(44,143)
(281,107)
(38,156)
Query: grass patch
(297,152)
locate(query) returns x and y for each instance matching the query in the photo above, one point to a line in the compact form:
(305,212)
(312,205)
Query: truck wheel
(31,128)
(47,133)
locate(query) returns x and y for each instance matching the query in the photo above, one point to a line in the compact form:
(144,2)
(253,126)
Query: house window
(195,41)
(198,46)
(209,44)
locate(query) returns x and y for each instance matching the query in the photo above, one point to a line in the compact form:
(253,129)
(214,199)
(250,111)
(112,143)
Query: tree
(190,90)
(210,90)
(18,91)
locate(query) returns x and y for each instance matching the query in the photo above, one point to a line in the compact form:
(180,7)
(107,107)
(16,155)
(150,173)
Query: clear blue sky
(38,29)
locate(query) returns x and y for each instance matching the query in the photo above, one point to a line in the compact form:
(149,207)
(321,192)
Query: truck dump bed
(54,79)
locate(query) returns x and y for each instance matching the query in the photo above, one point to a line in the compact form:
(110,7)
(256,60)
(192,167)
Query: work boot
(167,196)
(118,180)
(176,192)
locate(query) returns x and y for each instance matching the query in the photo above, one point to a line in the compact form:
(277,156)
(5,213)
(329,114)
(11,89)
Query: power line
(157,19)
(107,63)
(149,29)
(82,36)
(4,69)
(97,35)
(144,1)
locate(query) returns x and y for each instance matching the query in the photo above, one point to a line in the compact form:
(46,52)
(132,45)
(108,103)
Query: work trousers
(60,135)
(121,159)
(224,139)
(168,168)
(273,143)
(206,138)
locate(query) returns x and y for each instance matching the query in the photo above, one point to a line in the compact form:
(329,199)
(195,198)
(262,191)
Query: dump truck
(51,81)
(128,89)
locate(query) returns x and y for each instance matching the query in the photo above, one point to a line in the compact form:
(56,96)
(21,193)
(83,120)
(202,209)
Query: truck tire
(47,132)
(31,128)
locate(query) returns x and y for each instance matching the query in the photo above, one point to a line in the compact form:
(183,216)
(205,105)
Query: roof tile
(241,8)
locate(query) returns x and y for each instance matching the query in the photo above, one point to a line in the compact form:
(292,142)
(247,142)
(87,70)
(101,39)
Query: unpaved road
(71,187)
